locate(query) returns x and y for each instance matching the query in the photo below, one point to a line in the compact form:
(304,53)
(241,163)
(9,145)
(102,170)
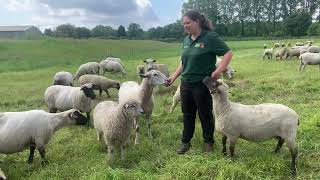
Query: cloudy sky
(50,13)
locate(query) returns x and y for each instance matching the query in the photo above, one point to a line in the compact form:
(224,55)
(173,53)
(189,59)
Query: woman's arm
(175,75)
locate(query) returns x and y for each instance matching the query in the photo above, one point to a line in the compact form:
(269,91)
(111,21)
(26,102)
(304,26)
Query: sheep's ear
(144,61)
(144,75)
(126,106)
(154,60)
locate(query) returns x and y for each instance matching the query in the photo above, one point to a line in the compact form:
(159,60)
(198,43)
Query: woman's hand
(216,74)
(169,81)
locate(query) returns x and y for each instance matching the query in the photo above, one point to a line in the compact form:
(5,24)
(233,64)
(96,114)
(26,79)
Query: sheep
(252,122)
(175,99)
(87,68)
(33,129)
(114,122)
(63,98)
(314,49)
(150,64)
(2,176)
(276,45)
(63,78)
(143,93)
(281,53)
(115,59)
(268,53)
(309,59)
(293,52)
(140,70)
(111,66)
(101,83)
(228,71)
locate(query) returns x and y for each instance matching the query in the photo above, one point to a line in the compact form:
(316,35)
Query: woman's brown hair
(204,22)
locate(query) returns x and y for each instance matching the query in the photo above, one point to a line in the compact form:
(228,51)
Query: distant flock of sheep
(113,121)
(307,53)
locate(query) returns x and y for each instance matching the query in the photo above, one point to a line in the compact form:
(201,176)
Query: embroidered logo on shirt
(199,45)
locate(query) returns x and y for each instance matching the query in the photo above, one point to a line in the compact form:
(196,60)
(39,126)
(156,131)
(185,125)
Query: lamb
(228,71)
(150,64)
(140,70)
(87,68)
(314,49)
(309,59)
(2,176)
(101,83)
(252,122)
(142,93)
(175,99)
(114,122)
(63,98)
(33,129)
(63,78)
(268,53)
(111,66)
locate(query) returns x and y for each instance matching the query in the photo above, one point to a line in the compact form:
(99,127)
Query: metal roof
(14,28)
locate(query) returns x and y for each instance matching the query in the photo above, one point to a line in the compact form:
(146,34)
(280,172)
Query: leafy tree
(65,30)
(48,32)
(298,23)
(121,32)
(81,32)
(103,31)
(134,31)
(314,29)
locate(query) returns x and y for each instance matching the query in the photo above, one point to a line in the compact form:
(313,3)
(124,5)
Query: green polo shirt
(199,56)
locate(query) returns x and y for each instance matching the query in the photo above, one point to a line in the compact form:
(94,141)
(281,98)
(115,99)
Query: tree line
(231,18)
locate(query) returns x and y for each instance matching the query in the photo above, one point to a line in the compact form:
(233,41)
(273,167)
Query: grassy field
(27,69)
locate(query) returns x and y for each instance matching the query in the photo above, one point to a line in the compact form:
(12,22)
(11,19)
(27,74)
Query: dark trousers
(196,97)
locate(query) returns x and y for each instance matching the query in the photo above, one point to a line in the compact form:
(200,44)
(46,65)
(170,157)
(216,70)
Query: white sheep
(87,68)
(314,49)
(143,93)
(309,59)
(33,129)
(63,78)
(140,70)
(293,52)
(114,122)
(252,122)
(281,53)
(175,99)
(63,98)
(2,176)
(101,83)
(115,59)
(267,53)
(150,64)
(111,66)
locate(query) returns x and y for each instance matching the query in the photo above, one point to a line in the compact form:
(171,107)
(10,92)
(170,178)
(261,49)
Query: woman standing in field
(198,59)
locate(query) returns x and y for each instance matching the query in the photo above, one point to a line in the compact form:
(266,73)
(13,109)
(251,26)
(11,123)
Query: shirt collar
(203,32)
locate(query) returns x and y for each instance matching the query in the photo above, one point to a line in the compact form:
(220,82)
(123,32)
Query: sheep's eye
(155,75)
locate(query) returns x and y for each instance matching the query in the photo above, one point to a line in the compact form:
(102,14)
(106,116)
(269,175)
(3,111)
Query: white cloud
(86,12)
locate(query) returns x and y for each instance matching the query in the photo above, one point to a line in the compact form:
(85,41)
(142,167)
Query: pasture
(27,69)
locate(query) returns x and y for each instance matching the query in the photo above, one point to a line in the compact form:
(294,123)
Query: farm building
(19,32)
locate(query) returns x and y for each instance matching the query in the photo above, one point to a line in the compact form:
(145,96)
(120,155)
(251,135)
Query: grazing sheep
(63,78)
(252,122)
(111,66)
(314,49)
(281,53)
(87,68)
(140,70)
(101,83)
(143,93)
(115,59)
(175,99)
(114,122)
(293,52)
(63,98)
(33,129)
(276,45)
(309,59)
(268,53)
(150,64)
(2,176)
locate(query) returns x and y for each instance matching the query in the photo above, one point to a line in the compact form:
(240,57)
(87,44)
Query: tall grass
(27,68)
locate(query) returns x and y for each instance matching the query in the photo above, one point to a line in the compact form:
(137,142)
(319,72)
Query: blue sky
(50,13)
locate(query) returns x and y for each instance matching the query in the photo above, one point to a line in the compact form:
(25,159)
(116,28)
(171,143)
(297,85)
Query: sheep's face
(133,108)
(88,90)
(77,118)
(116,85)
(155,77)
(149,64)
(215,86)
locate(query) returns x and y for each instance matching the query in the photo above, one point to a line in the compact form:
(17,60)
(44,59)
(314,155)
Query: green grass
(27,68)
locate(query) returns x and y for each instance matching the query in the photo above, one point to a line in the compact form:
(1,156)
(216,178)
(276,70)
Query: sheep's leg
(88,117)
(42,152)
(299,69)
(232,145)
(136,126)
(100,91)
(303,67)
(174,104)
(294,154)
(224,144)
(123,151)
(280,143)
(31,155)
(107,93)
(110,153)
